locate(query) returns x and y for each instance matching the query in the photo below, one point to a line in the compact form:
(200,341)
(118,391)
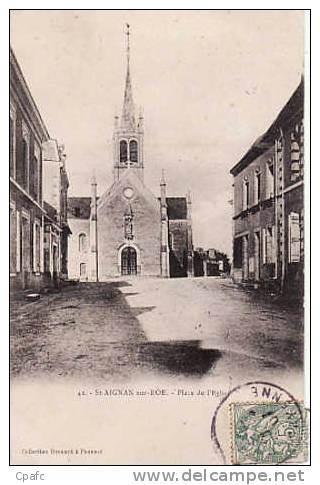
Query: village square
(116,282)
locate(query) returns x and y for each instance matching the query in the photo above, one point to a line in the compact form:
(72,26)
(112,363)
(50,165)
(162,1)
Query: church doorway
(128,261)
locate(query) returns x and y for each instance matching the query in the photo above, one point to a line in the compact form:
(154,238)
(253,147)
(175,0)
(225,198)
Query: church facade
(128,231)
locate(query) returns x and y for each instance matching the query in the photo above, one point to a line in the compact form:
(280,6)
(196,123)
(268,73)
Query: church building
(128,230)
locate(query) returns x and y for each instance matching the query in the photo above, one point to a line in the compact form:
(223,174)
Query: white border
(115,475)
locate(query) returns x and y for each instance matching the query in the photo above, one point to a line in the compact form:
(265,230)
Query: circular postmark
(259,423)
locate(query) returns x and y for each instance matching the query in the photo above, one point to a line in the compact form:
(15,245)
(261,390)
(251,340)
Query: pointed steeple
(128,116)
(128,131)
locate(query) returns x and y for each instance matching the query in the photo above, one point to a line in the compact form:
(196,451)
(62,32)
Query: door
(129,261)
(257,256)
(55,264)
(83,271)
(245,258)
(25,252)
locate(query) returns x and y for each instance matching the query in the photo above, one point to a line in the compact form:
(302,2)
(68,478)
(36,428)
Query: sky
(209,83)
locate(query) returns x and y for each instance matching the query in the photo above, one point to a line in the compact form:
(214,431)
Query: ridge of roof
(293,106)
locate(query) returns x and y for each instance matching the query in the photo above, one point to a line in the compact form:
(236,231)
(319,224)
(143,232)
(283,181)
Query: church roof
(177,208)
(79,207)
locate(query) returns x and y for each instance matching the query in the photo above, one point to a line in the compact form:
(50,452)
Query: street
(122,329)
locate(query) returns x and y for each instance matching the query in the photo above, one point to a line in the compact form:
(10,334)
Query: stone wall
(111,235)
(77,257)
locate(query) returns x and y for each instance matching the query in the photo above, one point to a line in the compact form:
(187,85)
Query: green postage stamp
(268,433)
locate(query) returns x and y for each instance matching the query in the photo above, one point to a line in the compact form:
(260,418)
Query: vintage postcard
(158,162)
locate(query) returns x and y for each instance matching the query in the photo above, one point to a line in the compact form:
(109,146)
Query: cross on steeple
(128,43)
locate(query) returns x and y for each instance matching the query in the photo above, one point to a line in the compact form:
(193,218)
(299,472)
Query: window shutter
(264,255)
(294,237)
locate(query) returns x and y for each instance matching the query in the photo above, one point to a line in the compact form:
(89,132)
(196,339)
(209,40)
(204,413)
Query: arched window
(133,151)
(82,243)
(123,151)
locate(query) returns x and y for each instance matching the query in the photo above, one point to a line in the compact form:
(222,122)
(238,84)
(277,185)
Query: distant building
(55,195)
(29,183)
(268,229)
(128,230)
(210,262)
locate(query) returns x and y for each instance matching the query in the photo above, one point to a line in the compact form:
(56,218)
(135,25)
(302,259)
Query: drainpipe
(275,196)
(283,262)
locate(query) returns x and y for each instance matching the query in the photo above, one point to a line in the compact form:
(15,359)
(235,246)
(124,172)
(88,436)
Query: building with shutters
(128,230)
(268,221)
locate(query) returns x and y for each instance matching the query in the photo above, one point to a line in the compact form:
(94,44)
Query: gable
(118,190)
(79,207)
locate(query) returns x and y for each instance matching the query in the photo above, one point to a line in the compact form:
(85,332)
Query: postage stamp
(268,433)
(261,423)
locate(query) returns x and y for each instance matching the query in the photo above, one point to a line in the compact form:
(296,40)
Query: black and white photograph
(158,237)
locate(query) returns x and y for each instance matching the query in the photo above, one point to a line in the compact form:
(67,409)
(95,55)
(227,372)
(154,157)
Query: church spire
(128,131)
(128,116)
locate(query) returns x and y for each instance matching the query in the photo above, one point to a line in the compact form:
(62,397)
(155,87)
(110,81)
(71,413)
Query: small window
(34,176)
(257,187)
(245,194)
(123,151)
(77,211)
(270,180)
(82,243)
(133,151)
(25,164)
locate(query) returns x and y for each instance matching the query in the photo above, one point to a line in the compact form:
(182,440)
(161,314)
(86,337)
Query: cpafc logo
(24,477)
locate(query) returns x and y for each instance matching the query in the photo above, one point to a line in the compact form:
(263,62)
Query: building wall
(282,213)
(28,217)
(294,265)
(52,183)
(29,127)
(111,236)
(178,245)
(26,261)
(253,222)
(260,164)
(111,239)
(293,201)
(26,214)
(78,255)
